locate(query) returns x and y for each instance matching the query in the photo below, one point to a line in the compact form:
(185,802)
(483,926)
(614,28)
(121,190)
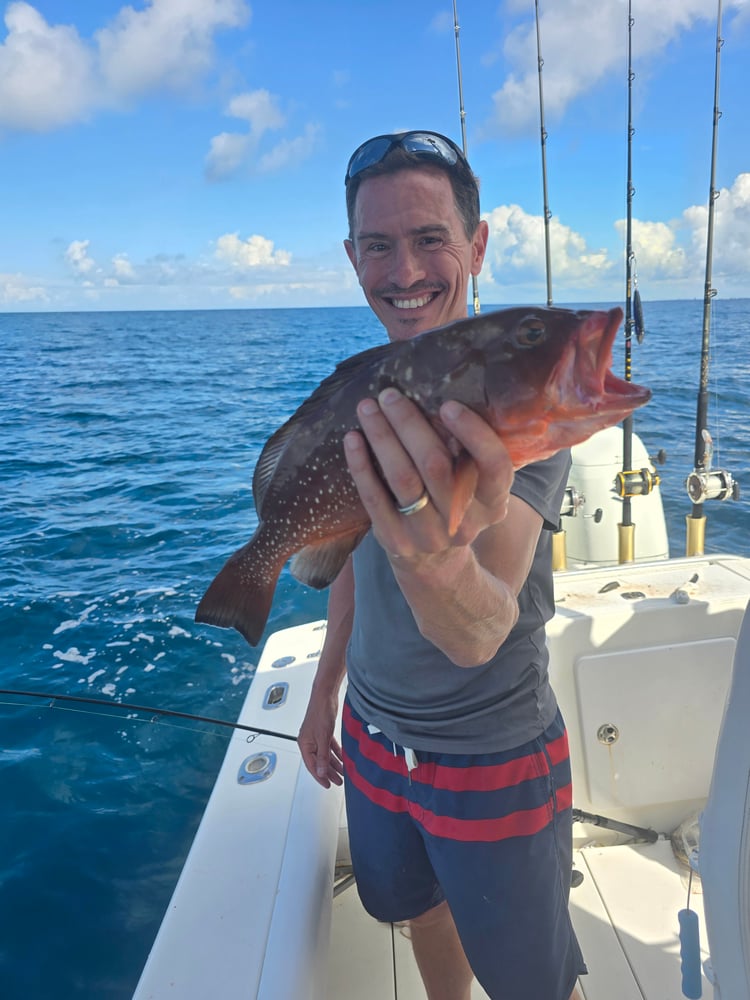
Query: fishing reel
(636,483)
(705,483)
(572,502)
(714,485)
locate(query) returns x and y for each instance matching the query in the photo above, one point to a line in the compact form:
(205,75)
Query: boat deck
(624,912)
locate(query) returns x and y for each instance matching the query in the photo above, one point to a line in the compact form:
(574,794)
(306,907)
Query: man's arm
(462,586)
(464,599)
(320,750)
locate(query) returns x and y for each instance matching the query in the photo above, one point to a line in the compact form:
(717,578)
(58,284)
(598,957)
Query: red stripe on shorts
(470,779)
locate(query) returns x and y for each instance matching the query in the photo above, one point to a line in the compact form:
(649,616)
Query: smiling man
(412,250)
(454,753)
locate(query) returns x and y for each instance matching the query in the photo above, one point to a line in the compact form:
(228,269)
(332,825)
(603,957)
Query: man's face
(410,250)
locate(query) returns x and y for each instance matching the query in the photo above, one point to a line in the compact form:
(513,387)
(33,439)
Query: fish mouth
(597,381)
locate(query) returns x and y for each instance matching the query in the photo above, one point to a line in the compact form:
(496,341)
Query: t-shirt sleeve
(542,485)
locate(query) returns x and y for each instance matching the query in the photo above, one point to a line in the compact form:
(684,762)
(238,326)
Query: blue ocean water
(127,445)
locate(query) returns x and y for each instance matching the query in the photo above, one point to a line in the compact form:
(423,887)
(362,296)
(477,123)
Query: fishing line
(129,707)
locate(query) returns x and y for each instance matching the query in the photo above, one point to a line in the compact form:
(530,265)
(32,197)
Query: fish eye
(531,331)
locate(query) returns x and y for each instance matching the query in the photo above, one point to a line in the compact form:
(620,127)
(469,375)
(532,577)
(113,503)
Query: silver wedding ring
(418,504)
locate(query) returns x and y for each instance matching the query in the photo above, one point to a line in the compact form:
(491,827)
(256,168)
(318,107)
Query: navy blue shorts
(489,833)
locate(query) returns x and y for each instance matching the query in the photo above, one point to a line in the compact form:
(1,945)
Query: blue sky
(190,153)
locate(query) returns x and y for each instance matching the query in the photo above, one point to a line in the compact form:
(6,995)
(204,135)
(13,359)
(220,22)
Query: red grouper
(540,377)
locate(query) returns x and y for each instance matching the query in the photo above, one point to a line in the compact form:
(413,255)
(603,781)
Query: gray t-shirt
(401,683)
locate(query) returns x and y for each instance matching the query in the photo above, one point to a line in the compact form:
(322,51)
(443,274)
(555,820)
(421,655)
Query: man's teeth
(411,303)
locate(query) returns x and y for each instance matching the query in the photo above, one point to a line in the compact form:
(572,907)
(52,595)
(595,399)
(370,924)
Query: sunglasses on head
(431,145)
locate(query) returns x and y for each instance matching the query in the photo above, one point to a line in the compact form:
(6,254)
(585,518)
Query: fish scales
(539,376)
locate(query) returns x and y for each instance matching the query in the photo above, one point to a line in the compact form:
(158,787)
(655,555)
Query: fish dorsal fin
(315,404)
(268,462)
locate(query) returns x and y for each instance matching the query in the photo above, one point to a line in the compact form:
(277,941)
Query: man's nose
(406,266)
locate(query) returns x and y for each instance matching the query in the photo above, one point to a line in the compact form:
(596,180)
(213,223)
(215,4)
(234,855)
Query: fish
(541,377)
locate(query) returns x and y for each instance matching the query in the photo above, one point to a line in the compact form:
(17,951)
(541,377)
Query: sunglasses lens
(421,143)
(431,145)
(368,154)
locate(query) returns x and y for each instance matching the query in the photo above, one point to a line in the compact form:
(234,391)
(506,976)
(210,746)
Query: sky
(190,154)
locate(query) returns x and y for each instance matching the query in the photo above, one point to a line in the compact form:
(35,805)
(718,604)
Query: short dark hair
(463,181)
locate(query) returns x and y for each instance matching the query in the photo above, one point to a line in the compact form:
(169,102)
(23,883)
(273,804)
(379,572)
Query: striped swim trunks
(489,833)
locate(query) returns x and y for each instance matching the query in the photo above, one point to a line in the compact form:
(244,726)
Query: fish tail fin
(241,594)
(465,480)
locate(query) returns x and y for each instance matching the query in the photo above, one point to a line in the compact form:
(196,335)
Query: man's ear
(479,246)
(351,253)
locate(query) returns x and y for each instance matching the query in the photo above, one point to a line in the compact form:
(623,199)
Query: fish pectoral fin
(319,564)
(465,478)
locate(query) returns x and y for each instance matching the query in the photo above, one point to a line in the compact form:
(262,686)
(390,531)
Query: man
(455,756)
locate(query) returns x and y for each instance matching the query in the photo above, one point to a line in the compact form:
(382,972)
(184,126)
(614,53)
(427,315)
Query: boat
(650,661)
(642,663)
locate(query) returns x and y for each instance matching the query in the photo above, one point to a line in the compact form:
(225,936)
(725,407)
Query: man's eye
(431,241)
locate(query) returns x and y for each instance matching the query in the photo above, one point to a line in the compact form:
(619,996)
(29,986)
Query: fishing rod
(462,114)
(703,484)
(129,707)
(543,135)
(630,482)
(573,501)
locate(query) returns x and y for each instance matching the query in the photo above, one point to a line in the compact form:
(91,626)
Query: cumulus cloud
(45,72)
(731,229)
(656,248)
(516,250)
(676,251)
(168,43)
(572,27)
(51,77)
(16,289)
(77,255)
(123,269)
(254,252)
(289,150)
(231,152)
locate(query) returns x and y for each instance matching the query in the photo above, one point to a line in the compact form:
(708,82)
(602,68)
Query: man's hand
(319,748)
(413,458)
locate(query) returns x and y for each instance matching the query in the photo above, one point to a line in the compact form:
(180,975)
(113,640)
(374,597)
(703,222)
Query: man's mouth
(413,302)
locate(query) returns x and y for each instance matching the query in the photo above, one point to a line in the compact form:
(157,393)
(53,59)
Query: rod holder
(559,551)
(626,543)
(696,535)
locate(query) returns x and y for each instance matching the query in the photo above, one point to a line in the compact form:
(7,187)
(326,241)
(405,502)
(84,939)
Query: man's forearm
(457,604)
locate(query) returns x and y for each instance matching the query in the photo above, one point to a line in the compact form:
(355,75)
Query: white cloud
(656,249)
(254,252)
(259,108)
(51,77)
(168,43)
(570,28)
(516,250)
(45,72)
(731,230)
(676,251)
(289,150)
(231,152)
(227,153)
(122,267)
(78,257)
(15,288)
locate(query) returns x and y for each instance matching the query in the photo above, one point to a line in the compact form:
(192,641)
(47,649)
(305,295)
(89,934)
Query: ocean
(127,446)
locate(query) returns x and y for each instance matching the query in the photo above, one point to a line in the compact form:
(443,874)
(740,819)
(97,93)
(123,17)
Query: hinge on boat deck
(343,877)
